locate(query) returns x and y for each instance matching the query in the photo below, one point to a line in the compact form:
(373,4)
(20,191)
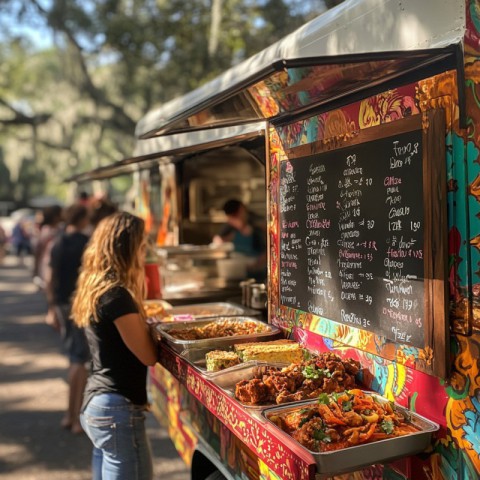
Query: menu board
(352,235)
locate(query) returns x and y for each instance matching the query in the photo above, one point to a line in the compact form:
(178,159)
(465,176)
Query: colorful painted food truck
(179,184)
(373,225)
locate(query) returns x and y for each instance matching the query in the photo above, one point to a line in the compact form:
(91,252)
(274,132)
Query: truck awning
(173,148)
(349,48)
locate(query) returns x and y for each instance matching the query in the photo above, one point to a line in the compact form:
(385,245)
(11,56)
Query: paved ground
(33,394)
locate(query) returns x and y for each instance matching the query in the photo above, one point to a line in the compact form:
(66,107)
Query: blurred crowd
(53,240)
(33,232)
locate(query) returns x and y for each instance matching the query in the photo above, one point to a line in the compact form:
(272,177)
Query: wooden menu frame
(433,358)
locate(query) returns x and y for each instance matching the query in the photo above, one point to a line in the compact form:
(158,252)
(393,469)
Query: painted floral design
(391,369)
(385,107)
(472,424)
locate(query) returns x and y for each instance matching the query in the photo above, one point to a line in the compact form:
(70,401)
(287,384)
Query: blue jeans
(116,427)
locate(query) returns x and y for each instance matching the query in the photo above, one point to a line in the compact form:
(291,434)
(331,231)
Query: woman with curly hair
(108,304)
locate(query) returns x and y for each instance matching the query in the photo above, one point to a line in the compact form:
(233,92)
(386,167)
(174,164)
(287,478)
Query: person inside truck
(246,231)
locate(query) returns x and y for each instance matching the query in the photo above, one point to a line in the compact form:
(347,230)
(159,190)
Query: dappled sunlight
(8,286)
(30,363)
(42,392)
(33,395)
(15,453)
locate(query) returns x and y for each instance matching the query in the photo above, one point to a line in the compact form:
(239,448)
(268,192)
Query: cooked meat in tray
(348,430)
(215,333)
(325,373)
(216,329)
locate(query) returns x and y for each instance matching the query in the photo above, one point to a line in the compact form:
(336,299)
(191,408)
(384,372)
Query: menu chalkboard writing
(352,236)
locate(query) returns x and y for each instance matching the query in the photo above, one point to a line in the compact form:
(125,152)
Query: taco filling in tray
(341,420)
(216,329)
(325,373)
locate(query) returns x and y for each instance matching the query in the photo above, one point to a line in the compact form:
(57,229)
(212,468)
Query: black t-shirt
(65,261)
(115,369)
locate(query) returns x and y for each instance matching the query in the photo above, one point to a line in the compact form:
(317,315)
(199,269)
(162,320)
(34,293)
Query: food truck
(179,184)
(372,185)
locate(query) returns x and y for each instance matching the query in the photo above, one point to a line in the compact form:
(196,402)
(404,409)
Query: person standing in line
(65,261)
(83,198)
(3,244)
(108,304)
(21,240)
(49,228)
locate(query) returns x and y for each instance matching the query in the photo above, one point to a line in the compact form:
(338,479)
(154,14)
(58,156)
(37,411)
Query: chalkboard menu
(352,235)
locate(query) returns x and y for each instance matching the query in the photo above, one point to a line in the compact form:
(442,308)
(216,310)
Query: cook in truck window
(246,231)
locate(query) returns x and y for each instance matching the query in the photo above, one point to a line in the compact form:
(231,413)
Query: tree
(72,103)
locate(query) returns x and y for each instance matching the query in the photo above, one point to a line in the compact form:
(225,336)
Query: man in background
(65,261)
(247,232)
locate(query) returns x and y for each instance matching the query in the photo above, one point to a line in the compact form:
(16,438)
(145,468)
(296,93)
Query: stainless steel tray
(165,305)
(228,379)
(196,357)
(214,309)
(271,333)
(381,451)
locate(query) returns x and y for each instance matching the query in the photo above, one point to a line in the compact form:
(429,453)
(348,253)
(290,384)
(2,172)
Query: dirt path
(33,394)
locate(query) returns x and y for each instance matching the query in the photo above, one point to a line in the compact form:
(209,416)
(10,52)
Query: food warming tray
(228,378)
(207,310)
(161,303)
(271,333)
(356,457)
(196,357)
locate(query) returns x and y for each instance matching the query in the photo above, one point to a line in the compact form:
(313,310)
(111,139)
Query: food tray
(228,378)
(162,303)
(207,310)
(358,456)
(196,357)
(179,345)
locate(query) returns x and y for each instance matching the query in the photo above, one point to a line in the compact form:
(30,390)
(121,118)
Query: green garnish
(303,421)
(387,426)
(321,436)
(324,398)
(314,373)
(311,372)
(347,406)
(367,411)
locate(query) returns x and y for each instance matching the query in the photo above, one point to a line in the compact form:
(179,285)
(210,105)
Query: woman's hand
(51,319)
(152,323)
